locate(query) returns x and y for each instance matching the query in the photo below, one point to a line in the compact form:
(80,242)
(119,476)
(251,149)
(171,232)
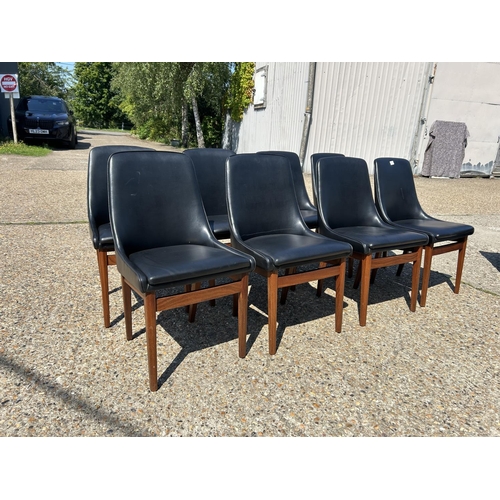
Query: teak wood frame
(293,277)
(153,304)
(104,260)
(368,263)
(430,251)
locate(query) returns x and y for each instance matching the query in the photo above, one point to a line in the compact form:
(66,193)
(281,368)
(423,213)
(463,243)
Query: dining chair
(163,241)
(397,202)
(98,215)
(266,223)
(347,212)
(307,209)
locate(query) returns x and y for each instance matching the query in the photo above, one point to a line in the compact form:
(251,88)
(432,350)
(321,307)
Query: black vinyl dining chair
(163,241)
(307,209)
(347,212)
(266,223)
(98,215)
(397,201)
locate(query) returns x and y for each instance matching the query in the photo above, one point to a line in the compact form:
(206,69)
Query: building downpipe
(307,114)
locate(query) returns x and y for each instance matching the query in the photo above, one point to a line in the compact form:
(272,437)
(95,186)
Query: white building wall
(360,109)
(279,124)
(368,110)
(469,92)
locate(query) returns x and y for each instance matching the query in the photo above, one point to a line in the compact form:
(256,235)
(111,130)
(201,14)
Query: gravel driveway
(434,372)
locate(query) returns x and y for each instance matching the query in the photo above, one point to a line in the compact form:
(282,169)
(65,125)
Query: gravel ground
(434,372)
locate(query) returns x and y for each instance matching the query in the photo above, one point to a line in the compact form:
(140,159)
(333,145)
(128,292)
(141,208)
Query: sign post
(8,85)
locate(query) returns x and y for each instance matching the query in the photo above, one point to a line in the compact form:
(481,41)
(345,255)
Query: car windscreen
(42,105)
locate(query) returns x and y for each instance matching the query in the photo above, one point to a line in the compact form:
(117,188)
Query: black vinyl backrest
(315,157)
(155,201)
(261,196)
(210,167)
(97,181)
(298,177)
(344,193)
(395,194)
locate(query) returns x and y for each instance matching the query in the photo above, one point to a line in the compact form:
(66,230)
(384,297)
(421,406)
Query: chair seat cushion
(105,238)
(187,263)
(369,239)
(437,230)
(219,224)
(276,251)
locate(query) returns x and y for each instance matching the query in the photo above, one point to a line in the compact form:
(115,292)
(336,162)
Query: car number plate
(38,131)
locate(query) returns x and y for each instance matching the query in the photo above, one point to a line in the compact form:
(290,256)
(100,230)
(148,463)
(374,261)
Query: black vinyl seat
(266,223)
(98,214)
(397,202)
(347,212)
(307,209)
(210,164)
(163,240)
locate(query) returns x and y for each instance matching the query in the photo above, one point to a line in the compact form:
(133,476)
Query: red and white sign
(8,83)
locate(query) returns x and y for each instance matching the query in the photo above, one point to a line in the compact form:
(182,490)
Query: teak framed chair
(397,202)
(163,240)
(266,223)
(347,212)
(98,214)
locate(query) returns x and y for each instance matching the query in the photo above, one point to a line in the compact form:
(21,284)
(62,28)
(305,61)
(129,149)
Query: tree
(166,95)
(95,103)
(42,78)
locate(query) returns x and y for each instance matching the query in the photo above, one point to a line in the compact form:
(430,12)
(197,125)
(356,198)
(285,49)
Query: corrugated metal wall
(367,110)
(360,109)
(279,125)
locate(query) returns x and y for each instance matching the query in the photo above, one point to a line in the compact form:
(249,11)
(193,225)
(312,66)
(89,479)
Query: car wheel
(71,144)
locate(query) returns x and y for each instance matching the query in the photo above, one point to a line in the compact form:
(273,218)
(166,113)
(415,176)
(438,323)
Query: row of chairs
(165,215)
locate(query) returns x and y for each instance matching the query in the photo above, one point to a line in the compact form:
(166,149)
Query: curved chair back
(137,210)
(257,206)
(210,164)
(308,210)
(315,157)
(395,194)
(348,200)
(97,189)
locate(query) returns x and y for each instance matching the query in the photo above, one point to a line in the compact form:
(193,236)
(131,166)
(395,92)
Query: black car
(46,119)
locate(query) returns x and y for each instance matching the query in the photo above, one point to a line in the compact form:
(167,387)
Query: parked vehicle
(46,119)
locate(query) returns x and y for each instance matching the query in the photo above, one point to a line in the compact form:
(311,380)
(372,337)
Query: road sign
(8,83)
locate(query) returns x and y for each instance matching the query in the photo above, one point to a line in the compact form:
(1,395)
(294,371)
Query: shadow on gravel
(54,390)
(493,258)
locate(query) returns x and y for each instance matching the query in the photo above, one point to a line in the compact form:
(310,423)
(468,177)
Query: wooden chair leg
(426,274)
(127,308)
(415,280)
(150,313)
(193,307)
(102,261)
(339,297)
(212,301)
(284,290)
(350,267)
(319,289)
(272,310)
(365,264)
(242,301)
(460,265)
